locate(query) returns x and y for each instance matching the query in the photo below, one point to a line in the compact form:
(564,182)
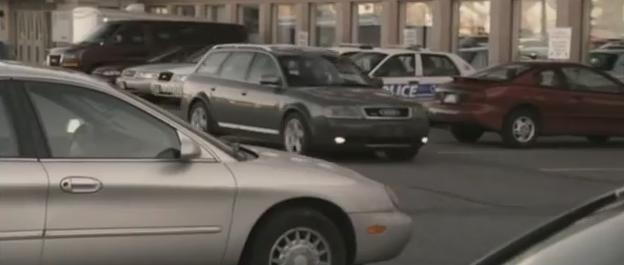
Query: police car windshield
(317,71)
(368,60)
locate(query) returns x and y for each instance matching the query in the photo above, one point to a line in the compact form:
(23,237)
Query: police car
(412,73)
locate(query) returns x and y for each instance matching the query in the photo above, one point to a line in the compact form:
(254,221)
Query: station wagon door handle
(80,185)
(213,89)
(244,93)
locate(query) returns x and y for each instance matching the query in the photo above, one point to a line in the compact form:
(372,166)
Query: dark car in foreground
(522,101)
(588,235)
(306,99)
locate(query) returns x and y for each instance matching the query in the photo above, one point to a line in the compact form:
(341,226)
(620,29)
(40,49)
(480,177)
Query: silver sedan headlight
(343,112)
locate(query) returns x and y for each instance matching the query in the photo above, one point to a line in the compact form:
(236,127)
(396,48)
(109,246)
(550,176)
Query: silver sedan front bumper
(373,247)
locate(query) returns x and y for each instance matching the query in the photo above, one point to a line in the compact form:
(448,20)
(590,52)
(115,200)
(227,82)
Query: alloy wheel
(199,119)
(523,129)
(300,246)
(294,136)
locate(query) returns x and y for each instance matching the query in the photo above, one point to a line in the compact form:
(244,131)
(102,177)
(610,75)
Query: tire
(199,117)
(598,139)
(402,154)
(295,134)
(467,133)
(521,128)
(270,234)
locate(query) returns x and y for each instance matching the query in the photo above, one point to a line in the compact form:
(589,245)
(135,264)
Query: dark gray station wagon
(306,99)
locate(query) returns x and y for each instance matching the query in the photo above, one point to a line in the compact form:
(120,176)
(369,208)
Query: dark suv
(307,99)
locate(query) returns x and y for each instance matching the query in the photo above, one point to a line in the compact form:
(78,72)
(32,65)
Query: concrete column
(345,21)
(390,23)
(200,10)
(232,13)
(303,20)
(265,23)
(443,26)
(501,31)
(570,14)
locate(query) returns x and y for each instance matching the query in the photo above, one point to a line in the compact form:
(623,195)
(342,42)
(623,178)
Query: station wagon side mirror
(189,150)
(271,80)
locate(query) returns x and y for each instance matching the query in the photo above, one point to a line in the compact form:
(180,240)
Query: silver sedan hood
(157,68)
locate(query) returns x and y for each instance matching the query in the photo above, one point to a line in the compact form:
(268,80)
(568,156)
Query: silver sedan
(91,175)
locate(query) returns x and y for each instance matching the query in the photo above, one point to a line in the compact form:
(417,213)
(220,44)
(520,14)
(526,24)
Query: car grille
(165,76)
(54,60)
(387,113)
(129,73)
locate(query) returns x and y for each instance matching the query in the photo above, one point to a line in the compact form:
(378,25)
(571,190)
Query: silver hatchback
(91,175)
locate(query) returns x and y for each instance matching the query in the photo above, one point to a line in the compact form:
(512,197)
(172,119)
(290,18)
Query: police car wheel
(467,133)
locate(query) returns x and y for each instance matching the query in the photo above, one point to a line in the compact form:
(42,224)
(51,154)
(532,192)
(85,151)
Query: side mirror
(270,80)
(377,82)
(188,148)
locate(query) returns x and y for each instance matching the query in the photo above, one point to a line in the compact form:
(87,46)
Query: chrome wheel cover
(294,136)
(199,119)
(523,129)
(300,246)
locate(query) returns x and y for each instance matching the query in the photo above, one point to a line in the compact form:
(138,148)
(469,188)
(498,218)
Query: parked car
(522,101)
(608,60)
(133,41)
(138,79)
(103,177)
(178,54)
(589,234)
(411,73)
(307,99)
(170,83)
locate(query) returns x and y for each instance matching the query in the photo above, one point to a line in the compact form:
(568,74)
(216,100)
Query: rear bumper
(364,134)
(483,115)
(379,247)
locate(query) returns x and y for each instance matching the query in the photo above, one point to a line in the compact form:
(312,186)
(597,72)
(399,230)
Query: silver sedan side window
(83,123)
(8,139)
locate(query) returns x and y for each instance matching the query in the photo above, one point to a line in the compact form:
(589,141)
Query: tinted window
(550,78)
(235,67)
(367,61)
(81,123)
(101,34)
(212,63)
(438,65)
(581,79)
(502,72)
(8,138)
(262,65)
(130,33)
(403,65)
(603,61)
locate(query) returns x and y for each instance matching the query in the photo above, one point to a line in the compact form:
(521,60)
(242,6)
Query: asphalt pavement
(468,199)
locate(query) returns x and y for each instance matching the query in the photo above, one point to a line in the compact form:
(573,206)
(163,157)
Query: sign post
(559,43)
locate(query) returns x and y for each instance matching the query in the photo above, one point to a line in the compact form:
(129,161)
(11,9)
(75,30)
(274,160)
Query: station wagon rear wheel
(296,236)
(199,117)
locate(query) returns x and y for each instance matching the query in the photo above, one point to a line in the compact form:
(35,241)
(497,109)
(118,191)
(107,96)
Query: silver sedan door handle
(80,185)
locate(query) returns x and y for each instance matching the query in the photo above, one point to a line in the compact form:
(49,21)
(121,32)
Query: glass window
(212,63)
(82,123)
(284,20)
(130,34)
(438,65)
(315,71)
(474,30)
(606,24)
(8,138)
(249,16)
(418,29)
(262,66)
(403,65)
(537,17)
(581,79)
(503,72)
(367,24)
(185,10)
(550,78)
(161,10)
(216,13)
(325,21)
(367,61)
(235,67)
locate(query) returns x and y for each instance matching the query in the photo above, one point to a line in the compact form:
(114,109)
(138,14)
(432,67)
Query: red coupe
(522,101)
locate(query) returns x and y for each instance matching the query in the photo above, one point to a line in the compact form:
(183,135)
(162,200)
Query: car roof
(393,51)
(278,49)
(19,71)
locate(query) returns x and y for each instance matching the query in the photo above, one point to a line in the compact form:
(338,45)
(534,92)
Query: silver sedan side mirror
(189,150)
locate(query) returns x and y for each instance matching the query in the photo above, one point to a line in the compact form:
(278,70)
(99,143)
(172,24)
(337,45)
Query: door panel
(559,107)
(146,213)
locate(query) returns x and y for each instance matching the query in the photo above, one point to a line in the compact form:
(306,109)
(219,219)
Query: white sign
(303,38)
(62,26)
(410,37)
(559,43)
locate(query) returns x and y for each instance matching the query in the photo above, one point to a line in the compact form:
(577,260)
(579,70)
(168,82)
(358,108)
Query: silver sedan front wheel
(300,246)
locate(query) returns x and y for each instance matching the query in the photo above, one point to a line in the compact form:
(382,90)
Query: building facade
(485,32)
